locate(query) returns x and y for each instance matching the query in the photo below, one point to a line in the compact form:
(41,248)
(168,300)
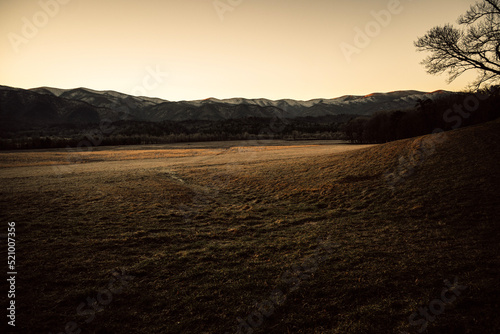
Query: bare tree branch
(473,47)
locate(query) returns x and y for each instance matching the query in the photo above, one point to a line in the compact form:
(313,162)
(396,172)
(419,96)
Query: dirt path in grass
(57,163)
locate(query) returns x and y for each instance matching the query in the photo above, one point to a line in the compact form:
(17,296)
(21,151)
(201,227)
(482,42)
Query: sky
(196,49)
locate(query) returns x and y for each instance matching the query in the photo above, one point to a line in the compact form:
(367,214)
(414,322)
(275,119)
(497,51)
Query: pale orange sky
(256,49)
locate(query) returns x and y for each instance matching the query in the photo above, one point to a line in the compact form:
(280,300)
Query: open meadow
(258,237)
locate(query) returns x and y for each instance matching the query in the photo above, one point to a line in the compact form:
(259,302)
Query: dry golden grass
(207,234)
(73,156)
(57,157)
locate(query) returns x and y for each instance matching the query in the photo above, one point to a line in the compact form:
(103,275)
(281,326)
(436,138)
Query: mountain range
(45,106)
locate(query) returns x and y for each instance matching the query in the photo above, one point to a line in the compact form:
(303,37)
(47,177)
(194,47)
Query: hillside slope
(398,241)
(441,221)
(208,241)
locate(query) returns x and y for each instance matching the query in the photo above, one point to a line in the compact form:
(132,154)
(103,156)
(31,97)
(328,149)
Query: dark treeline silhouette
(447,113)
(144,133)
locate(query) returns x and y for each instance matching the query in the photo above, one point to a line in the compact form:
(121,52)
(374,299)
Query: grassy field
(259,237)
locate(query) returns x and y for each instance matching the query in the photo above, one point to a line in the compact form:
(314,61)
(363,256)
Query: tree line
(145,133)
(446,113)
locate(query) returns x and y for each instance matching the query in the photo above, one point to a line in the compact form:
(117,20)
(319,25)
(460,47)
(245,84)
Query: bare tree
(473,46)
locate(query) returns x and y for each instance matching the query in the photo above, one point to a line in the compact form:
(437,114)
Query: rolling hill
(212,236)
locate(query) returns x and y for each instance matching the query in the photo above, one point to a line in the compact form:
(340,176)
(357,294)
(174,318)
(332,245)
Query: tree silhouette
(473,46)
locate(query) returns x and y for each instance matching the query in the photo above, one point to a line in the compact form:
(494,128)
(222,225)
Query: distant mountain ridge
(48,105)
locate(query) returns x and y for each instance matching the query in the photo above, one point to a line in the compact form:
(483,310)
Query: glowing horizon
(178,50)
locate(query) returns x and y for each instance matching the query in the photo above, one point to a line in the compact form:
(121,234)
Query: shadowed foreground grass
(297,244)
